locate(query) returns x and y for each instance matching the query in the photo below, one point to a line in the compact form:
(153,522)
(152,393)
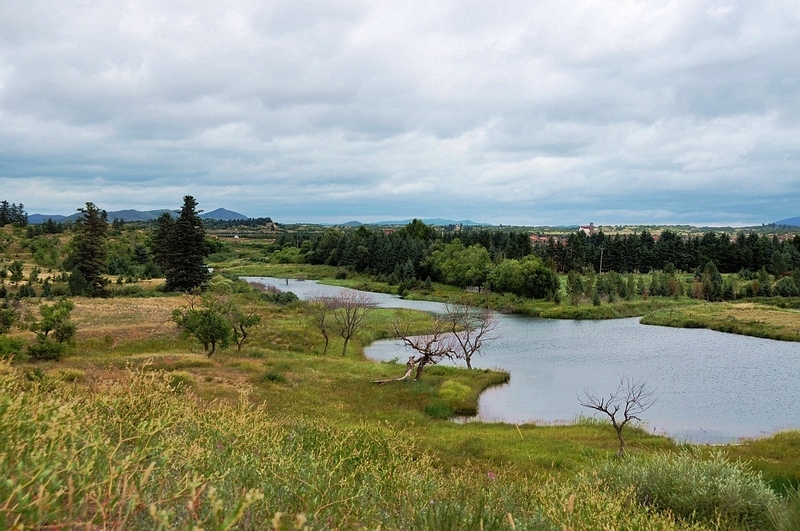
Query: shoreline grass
(743,318)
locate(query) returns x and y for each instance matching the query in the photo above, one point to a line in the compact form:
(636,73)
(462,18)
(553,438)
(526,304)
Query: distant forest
(378,252)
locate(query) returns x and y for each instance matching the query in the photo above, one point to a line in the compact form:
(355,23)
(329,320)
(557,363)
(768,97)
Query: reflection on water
(709,386)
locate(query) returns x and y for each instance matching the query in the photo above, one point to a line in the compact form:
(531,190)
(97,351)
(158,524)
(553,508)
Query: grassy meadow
(137,428)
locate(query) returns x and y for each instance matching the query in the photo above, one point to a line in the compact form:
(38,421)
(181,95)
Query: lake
(709,387)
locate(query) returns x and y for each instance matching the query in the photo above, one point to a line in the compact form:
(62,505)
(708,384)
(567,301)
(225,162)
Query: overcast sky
(514,112)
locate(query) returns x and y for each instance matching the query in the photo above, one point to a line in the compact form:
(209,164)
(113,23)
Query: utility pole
(601,258)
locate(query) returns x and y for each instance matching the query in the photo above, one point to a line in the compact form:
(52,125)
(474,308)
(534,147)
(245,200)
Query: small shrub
(46,350)
(457,396)
(181,380)
(696,489)
(275,377)
(10,347)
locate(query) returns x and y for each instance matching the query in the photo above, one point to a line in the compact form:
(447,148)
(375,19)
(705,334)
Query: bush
(696,489)
(179,381)
(281,298)
(274,377)
(46,350)
(10,347)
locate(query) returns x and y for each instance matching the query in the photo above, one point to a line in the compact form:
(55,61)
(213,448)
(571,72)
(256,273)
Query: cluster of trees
(179,248)
(12,213)
(644,253)
(216,321)
(53,328)
(417,253)
(505,261)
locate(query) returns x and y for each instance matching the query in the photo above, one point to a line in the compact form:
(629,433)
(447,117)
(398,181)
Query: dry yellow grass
(125,319)
(751,312)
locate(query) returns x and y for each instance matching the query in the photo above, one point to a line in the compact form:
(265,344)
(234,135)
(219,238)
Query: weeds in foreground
(146,454)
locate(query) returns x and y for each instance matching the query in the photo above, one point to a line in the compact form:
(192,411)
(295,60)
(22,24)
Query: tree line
(506,261)
(644,253)
(12,213)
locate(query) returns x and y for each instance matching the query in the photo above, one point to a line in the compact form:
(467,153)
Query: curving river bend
(709,387)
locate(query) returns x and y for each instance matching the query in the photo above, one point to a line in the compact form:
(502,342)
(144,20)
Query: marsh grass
(745,318)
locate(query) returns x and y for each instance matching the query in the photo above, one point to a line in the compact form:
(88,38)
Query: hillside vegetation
(138,427)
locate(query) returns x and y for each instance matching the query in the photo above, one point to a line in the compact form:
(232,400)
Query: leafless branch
(471,328)
(630,400)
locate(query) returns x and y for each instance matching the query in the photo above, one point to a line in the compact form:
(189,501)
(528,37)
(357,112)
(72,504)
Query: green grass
(142,454)
(232,440)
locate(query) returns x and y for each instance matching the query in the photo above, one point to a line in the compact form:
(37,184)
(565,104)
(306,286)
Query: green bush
(10,347)
(181,380)
(46,350)
(275,377)
(697,489)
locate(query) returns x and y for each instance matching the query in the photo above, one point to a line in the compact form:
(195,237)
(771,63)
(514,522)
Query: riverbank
(743,318)
(771,318)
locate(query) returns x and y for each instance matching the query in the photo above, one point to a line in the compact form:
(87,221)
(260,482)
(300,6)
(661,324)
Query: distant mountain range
(790,222)
(138,215)
(436,222)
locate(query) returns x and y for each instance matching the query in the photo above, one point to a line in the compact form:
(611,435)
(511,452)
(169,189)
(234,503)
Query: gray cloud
(512,112)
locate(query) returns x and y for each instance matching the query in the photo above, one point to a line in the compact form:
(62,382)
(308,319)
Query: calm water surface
(709,386)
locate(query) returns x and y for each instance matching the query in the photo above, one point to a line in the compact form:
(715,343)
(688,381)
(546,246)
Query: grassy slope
(287,377)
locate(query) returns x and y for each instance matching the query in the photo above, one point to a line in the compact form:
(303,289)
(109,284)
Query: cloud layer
(512,112)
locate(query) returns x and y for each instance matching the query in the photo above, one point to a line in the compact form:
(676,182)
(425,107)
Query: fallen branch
(410,364)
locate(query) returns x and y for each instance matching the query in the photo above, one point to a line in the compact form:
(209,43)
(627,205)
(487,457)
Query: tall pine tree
(180,248)
(87,261)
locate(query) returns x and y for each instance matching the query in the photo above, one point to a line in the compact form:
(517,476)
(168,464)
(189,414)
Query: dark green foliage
(180,248)
(46,350)
(206,325)
(87,261)
(787,287)
(13,213)
(53,331)
(10,347)
(16,272)
(711,281)
(26,291)
(279,297)
(9,315)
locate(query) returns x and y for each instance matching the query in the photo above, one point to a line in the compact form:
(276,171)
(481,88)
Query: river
(709,387)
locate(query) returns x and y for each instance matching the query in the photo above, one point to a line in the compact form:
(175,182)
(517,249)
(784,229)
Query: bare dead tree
(471,328)
(320,314)
(350,308)
(630,400)
(431,348)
